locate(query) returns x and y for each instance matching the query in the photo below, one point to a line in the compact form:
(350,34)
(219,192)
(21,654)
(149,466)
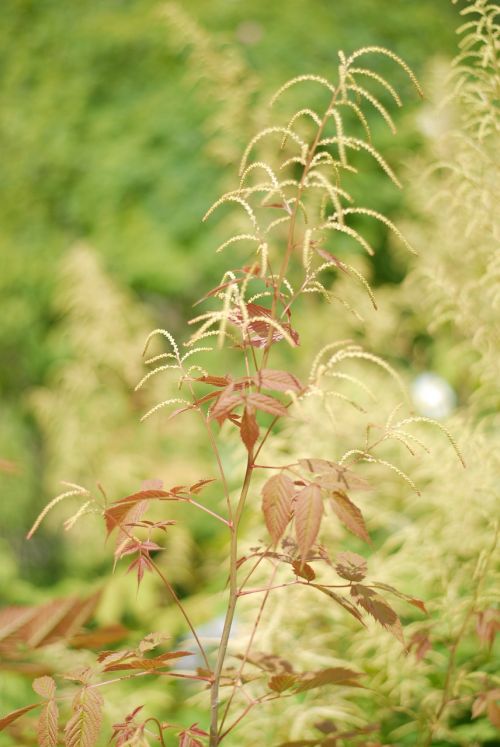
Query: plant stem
(208,511)
(177,601)
(251,639)
(231,608)
(268,588)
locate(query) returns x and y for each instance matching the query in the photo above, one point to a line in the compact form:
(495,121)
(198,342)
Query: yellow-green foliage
(89,415)
(221,76)
(459,230)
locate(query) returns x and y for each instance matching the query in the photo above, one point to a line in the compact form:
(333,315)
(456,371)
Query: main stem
(233,582)
(231,608)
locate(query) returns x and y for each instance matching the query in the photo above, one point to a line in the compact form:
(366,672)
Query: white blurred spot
(432,396)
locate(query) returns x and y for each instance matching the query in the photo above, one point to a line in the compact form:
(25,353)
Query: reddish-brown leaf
(14,715)
(120,512)
(280,381)
(187,737)
(12,618)
(281,682)
(82,730)
(200,485)
(44,686)
(493,709)
(351,566)
(277,496)
(249,429)
(74,617)
(214,380)
(326,726)
(268,662)
(304,571)
(308,511)
(99,637)
(378,608)
(411,600)
(46,623)
(260,331)
(421,644)
(330,676)
(225,404)
(341,601)
(488,625)
(146,664)
(47,727)
(349,514)
(267,404)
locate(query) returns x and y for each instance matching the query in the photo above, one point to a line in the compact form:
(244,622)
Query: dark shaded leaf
(330,676)
(268,662)
(281,682)
(342,601)
(351,566)
(488,625)
(378,608)
(326,727)
(420,643)
(411,600)
(304,571)
(221,381)
(145,664)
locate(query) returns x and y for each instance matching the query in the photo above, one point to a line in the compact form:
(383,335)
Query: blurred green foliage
(105,139)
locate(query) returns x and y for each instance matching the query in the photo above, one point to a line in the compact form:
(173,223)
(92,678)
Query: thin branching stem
(231,608)
(183,612)
(252,636)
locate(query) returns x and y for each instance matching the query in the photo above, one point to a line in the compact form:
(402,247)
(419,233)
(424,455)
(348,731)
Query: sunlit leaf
(277,497)
(308,513)
(267,404)
(82,730)
(349,514)
(280,381)
(249,429)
